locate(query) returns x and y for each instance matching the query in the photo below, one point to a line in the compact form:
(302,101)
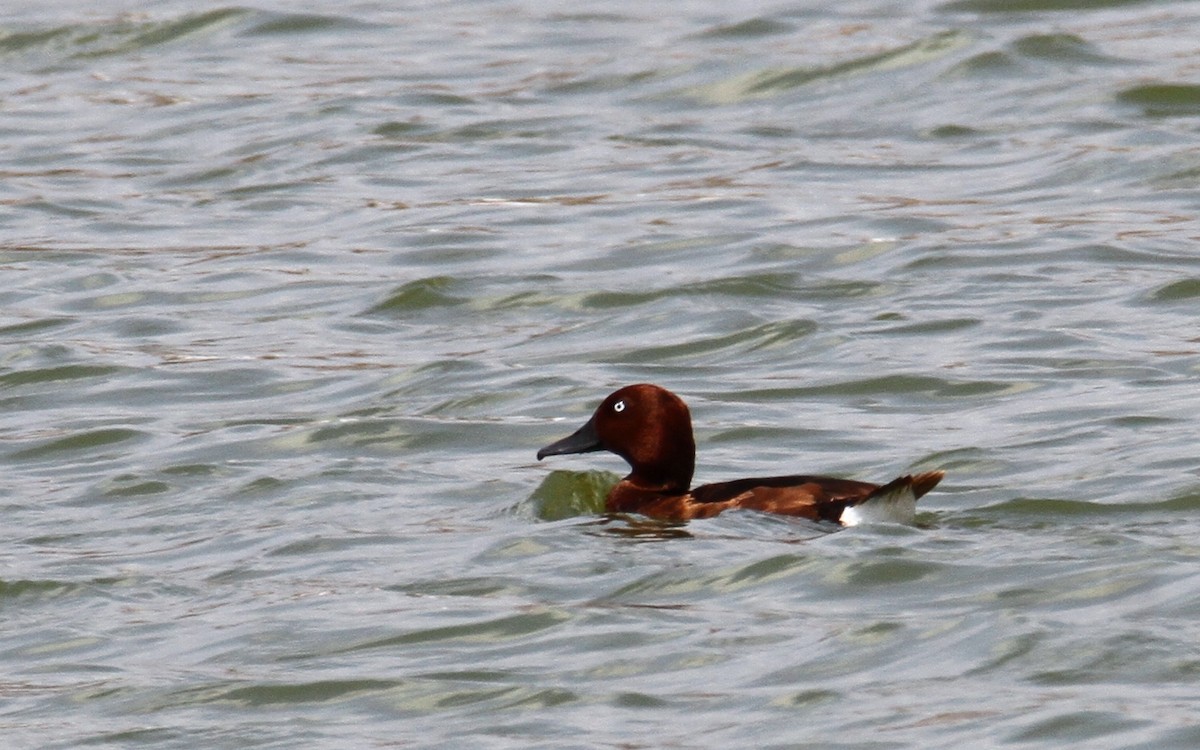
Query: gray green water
(291,294)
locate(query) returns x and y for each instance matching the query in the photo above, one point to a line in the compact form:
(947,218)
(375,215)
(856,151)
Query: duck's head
(646,425)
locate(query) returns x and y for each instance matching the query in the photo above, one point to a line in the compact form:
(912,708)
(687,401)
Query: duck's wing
(819,498)
(812,497)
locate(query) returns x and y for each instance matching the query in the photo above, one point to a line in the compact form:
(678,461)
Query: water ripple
(292,298)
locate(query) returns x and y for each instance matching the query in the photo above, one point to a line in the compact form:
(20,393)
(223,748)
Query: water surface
(291,295)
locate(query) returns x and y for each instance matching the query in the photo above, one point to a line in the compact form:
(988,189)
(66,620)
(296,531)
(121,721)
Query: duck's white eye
(619,407)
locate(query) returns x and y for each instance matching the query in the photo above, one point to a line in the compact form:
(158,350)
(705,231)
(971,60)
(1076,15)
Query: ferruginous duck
(651,429)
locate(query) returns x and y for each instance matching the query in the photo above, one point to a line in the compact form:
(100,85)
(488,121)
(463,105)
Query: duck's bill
(583,440)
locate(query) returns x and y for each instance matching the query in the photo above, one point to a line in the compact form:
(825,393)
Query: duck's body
(651,428)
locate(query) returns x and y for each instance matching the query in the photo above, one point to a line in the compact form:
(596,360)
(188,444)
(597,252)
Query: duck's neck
(671,467)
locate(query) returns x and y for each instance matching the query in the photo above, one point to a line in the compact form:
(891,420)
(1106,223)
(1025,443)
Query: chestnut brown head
(646,425)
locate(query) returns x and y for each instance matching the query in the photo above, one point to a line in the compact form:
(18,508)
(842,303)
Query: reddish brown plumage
(651,428)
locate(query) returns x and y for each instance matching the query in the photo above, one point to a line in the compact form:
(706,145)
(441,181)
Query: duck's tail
(894,502)
(923,483)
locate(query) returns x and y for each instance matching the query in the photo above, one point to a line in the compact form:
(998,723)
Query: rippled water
(292,294)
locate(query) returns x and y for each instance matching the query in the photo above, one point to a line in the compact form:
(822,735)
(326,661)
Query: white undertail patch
(897,506)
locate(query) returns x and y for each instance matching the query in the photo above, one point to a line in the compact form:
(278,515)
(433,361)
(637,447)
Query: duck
(651,428)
